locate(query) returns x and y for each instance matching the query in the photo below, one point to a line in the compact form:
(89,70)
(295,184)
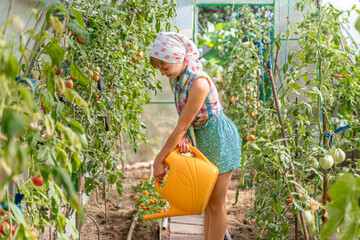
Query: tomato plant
(148,200)
(318,98)
(72,136)
(314,127)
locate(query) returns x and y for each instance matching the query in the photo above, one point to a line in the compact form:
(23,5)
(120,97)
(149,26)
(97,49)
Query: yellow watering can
(188,186)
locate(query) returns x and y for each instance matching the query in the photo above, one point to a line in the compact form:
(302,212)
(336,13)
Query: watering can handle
(176,150)
(198,153)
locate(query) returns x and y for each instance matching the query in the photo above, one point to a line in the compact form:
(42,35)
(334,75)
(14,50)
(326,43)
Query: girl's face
(172,70)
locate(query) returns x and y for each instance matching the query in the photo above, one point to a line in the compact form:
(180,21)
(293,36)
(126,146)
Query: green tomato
(326,162)
(338,155)
(309,218)
(312,230)
(314,163)
(330,181)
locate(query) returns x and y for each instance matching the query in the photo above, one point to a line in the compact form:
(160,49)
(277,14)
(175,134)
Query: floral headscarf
(174,48)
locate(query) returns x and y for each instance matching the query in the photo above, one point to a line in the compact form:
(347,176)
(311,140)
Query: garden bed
(120,212)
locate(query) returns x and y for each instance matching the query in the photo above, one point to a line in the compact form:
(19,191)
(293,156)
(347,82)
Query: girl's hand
(159,171)
(184,145)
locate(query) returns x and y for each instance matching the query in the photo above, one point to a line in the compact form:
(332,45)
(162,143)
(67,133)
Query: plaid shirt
(209,109)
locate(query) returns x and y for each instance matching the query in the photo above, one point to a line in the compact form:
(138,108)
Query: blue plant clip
(331,143)
(18,198)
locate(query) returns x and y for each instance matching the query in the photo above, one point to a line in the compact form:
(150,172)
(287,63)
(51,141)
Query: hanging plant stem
(287,147)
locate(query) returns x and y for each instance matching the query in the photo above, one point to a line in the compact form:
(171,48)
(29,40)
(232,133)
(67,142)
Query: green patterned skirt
(219,140)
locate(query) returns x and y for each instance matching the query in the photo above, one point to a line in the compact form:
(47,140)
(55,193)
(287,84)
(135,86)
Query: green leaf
(10,67)
(61,157)
(336,214)
(76,126)
(12,123)
(112,178)
(357,24)
(56,54)
(70,137)
(158,25)
(73,231)
(54,207)
(75,71)
(79,17)
(61,178)
(73,97)
(254,145)
(32,141)
(120,175)
(61,223)
(49,12)
(56,24)
(17,213)
(83,140)
(57,110)
(344,209)
(80,31)
(45,153)
(237,196)
(59,191)
(75,162)
(22,158)
(47,100)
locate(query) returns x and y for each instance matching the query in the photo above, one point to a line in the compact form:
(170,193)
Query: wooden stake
(287,147)
(78,227)
(8,16)
(296,156)
(122,154)
(50,230)
(296,228)
(104,194)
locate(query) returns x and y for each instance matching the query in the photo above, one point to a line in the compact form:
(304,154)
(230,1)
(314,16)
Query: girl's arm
(197,94)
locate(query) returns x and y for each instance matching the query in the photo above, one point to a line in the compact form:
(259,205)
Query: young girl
(201,122)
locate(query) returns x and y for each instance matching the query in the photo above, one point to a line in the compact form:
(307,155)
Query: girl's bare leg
(215,219)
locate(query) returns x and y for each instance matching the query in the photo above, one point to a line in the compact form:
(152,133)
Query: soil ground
(120,210)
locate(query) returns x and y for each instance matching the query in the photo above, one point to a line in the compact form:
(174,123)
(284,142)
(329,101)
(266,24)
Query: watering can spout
(172,212)
(188,186)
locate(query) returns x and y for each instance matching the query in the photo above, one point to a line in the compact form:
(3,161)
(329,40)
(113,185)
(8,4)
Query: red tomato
(34,232)
(250,138)
(81,41)
(69,84)
(328,198)
(2,226)
(42,107)
(289,200)
(37,180)
(337,76)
